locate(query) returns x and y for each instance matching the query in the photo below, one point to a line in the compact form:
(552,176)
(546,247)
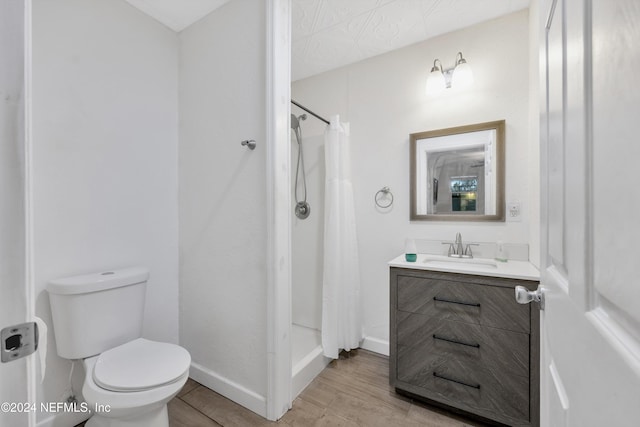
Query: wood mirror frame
(470,143)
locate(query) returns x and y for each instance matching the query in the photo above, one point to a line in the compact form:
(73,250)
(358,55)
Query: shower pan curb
(306,370)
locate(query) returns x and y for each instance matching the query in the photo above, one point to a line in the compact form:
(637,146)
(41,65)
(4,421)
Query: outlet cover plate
(514,212)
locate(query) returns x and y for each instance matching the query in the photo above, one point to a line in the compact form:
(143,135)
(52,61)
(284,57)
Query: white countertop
(522,270)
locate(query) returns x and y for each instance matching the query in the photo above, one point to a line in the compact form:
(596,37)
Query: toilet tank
(95,312)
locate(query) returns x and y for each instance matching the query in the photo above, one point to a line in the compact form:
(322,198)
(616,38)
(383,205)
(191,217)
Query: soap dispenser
(410,252)
(501,254)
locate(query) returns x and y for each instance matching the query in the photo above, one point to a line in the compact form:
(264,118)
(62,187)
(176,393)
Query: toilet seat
(140,365)
(117,408)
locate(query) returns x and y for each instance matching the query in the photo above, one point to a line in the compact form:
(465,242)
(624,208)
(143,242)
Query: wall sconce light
(459,75)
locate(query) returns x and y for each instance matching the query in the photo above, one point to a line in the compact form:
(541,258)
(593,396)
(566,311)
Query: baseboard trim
(63,419)
(376,345)
(229,389)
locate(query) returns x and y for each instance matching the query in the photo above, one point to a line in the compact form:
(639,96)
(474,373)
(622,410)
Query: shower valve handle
(250,143)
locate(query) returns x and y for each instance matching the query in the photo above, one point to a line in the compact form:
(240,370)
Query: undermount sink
(447,262)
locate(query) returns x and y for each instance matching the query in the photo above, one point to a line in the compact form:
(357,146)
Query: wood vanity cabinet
(461,341)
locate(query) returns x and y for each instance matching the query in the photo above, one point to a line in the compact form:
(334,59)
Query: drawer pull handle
(472,304)
(476,386)
(455,341)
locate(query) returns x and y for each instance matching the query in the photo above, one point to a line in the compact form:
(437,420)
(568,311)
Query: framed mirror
(457,174)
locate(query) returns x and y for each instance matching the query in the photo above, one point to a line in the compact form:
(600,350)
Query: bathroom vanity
(458,338)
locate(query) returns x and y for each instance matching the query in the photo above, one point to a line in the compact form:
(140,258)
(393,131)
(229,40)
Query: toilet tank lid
(98,281)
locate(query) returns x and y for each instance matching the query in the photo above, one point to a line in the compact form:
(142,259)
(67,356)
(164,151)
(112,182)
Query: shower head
(295,121)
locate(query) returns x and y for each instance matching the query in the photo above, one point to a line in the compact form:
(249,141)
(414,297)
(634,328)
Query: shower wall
(307,242)
(307,234)
(222,199)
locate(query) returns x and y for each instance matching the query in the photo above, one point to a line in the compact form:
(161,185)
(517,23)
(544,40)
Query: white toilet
(129,380)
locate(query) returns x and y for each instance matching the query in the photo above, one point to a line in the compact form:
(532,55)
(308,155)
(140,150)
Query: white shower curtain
(341,316)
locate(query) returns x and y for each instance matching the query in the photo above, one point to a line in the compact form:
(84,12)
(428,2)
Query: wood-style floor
(350,392)
(353,391)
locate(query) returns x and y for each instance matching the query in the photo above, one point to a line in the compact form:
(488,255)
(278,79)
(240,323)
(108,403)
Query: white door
(590,355)
(13,300)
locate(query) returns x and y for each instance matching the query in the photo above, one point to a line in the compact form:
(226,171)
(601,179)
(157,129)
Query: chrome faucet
(458,250)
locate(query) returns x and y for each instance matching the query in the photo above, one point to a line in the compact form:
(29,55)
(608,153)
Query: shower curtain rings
(381,194)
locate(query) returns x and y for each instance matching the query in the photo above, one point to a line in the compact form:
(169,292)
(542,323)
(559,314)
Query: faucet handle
(451,249)
(467,251)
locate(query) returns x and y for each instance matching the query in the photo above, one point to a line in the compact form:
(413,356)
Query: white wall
(13,301)
(384,100)
(223,237)
(105,177)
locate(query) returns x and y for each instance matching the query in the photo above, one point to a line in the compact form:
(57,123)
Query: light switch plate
(514,212)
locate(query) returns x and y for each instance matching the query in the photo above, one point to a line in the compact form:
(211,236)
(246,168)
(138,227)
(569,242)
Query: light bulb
(435,82)
(462,75)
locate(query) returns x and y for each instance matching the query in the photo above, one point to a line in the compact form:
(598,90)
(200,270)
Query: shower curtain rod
(310,112)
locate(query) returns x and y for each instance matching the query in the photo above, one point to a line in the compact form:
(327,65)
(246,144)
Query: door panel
(555,157)
(13,375)
(558,401)
(590,372)
(615,147)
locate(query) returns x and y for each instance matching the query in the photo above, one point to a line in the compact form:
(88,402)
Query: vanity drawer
(428,341)
(503,398)
(482,304)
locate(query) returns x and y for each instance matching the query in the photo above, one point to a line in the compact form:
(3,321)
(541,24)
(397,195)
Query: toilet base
(158,417)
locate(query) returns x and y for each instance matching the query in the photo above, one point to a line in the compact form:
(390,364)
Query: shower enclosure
(307,158)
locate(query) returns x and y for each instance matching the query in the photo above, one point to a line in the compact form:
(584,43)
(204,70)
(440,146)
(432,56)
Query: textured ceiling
(328,34)
(331,33)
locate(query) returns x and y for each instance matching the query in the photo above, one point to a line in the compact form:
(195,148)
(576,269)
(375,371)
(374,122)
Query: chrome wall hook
(250,143)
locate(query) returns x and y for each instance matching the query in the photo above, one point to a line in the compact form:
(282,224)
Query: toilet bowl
(128,379)
(131,384)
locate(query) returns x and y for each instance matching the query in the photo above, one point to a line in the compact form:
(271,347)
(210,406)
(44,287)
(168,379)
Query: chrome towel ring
(381,195)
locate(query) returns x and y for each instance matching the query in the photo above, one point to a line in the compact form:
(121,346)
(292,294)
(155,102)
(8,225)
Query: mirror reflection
(457,174)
